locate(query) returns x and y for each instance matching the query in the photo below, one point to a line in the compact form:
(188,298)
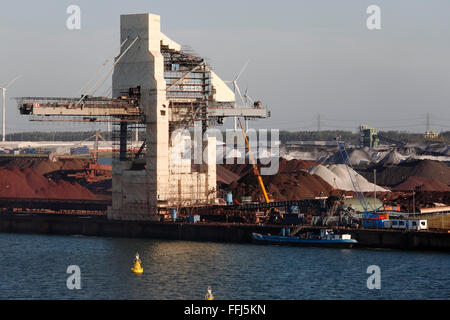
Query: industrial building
(157,87)
(369,137)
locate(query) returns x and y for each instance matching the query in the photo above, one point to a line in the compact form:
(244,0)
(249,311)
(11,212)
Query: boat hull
(297,241)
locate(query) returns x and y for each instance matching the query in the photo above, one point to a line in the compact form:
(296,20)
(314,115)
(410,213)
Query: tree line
(326,135)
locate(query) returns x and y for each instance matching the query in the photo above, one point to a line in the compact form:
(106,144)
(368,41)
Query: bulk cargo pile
(338,175)
(29,183)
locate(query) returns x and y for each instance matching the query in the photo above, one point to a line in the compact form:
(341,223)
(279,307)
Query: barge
(326,238)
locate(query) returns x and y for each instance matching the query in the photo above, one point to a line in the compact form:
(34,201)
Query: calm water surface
(34,267)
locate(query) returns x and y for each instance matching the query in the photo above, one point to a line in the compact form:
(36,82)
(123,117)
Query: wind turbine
(236,89)
(246,99)
(4,106)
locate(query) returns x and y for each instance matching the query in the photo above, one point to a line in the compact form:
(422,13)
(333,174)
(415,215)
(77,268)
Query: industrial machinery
(94,171)
(157,87)
(392,141)
(255,167)
(430,135)
(354,181)
(371,138)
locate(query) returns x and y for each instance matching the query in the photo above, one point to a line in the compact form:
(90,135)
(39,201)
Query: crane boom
(255,167)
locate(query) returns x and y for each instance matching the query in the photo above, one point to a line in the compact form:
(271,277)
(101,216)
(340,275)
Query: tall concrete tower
(161,183)
(136,193)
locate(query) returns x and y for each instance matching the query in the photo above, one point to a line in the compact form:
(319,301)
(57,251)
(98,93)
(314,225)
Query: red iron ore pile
(421,184)
(292,181)
(284,166)
(30,183)
(44,165)
(430,169)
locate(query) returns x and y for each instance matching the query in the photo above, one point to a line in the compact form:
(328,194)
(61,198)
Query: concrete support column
(143,66)
(123,141)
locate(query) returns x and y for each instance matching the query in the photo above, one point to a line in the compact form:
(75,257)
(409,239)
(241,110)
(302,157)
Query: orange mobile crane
(255,167)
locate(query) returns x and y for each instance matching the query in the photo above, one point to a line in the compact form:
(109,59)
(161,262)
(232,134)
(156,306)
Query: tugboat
(326,238)
(137,268)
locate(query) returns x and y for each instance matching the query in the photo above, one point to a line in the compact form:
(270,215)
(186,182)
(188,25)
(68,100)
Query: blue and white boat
(326,238)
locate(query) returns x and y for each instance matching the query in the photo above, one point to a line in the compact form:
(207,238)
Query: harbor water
(35,267)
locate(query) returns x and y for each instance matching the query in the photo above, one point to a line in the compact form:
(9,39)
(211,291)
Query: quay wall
(217,232)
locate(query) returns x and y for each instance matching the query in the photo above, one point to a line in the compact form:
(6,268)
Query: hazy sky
(306,57)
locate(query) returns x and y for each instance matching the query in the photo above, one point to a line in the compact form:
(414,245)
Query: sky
(306,58)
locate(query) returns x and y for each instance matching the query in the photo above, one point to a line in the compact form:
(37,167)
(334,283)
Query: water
(34,267)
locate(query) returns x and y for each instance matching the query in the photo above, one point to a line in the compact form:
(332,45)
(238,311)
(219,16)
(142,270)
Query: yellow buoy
(137,268)
(209,295)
